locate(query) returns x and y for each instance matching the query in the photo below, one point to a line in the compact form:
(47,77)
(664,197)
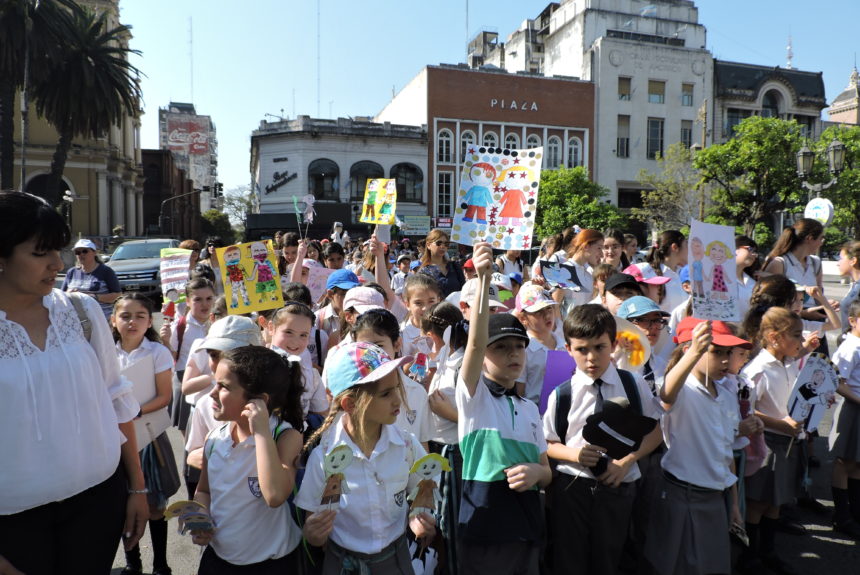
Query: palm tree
(89,89)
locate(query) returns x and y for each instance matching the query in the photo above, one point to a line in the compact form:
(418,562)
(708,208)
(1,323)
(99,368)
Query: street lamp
(170,199)
(835,161)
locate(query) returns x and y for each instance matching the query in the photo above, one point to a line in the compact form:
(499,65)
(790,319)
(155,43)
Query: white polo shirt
(533,374)
(847,361)
(414,341)
(583,398)
(193,330)
(772,381)
(699,431)
(414,416)
(200,423)
(372,513)
(445,380)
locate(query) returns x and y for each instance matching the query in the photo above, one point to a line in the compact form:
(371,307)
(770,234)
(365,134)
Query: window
(467,140)
(622,140)
(686,94)
(443,146)
(323,179)
(687,133)
(359,173)
(532,141)
(770,106)
(624,91)
(444,187)
(733,118)
(553,152)
(574,153)
(656,91)
(807,125)
(655,137)
(491,140)
(629,198)
(512,142)
(410,182)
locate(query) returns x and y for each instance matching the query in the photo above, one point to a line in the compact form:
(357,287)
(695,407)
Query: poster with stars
(497,198)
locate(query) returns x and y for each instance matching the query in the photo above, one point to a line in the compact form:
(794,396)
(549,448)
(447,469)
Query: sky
(259,60)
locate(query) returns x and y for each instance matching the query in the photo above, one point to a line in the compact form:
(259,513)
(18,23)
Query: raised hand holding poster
(251,281)
(174,273)
(814,391)
(380,202)
(497,198)
(713,274)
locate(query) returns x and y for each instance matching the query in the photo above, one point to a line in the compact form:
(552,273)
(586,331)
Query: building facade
(332,160)
(192,139)
(845,108)
(170,206)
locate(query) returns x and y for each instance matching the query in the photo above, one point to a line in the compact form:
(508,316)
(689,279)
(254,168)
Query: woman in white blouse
(70,479)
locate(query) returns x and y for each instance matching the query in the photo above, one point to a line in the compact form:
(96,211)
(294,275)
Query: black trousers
(503,558)
(211,564)
(77,535)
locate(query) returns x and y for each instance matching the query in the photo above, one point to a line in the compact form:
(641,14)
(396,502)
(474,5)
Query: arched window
(444,144)
(38,186)
(533,141)
(359,173)
(491,140)
(771,104)
(467,140)
(512,142)
(574,153)
(323,178)
(553,152)
(410,182)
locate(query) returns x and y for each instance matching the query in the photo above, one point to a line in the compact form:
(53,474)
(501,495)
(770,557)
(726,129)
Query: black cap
(619,279)
(504,325)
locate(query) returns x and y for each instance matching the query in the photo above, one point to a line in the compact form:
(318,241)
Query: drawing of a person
(388,200)
(478,198)
(513,200)
(809,397)
(334,464)
(697,250)
(370,200)
(264,272)
(236,276)
(425,496)
(717,252)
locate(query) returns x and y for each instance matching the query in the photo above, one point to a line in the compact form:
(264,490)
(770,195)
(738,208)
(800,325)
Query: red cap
(720,333)
(469,264)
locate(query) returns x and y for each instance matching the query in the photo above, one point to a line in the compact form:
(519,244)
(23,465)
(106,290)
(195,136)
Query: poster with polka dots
(497,197)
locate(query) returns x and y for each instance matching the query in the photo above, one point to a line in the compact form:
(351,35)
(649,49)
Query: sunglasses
(81,252)
(440,243)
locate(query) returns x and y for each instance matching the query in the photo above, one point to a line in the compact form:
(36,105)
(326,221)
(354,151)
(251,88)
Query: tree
(237,204)
(673,198)
(90,88)
(217,223)
(845,195)
(753,174)
(568,197)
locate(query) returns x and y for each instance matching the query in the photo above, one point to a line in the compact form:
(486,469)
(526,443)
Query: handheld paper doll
(236,276)
(419,367)
(478,198)
(264,272)
(697,275)
(717,252)
(335,463)
(309,210)
(191,515)
(387,208)
(814,391)
(425,496)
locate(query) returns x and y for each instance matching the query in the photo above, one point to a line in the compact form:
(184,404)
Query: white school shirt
(533,374)
(583,398)
(699,431)
(318,358)
(161,357)
(398,282)
(193,330)
(745,289)
(59,408)
(772,382)
(677,314)
(313,392)
(413,341)
(414,416)
(200,358)
(200,423)
(847,361)
(445,380)
(372,513)
(248,530)
(327,320)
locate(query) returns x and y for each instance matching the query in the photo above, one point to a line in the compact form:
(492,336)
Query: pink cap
(646,275)
(363,299)
(532,298)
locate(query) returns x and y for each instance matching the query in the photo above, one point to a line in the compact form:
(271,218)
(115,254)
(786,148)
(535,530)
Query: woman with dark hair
(71,483)
(666,258)
(211,261)
(435,263)
(746,254)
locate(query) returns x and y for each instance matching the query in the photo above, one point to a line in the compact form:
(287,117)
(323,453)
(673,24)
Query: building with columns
(845,108)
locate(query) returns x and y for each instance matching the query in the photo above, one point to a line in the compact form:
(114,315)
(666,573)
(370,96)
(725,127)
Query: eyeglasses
(440,243)
(658,323)
(750,249)
(81,252)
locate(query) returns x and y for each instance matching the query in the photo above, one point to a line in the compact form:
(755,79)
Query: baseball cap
(469,264)
(363,299)
(343,279)
(357,363)
(231,332)
(84,243)
(516,277)
(532,298)
(646,275)
(684,274)
(502,281)
(637,306)
(470,289)
(720,333)
(404,257)
(415,265)
(504,325)
(618,279)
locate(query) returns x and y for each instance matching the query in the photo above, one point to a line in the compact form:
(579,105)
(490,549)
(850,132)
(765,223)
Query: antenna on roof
(789,53)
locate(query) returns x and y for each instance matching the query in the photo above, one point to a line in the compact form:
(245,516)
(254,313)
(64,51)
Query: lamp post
(835,161)
(171,198)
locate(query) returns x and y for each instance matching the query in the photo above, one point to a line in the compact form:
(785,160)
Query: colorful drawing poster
(380,202)
(317,278)
(559,368)
(174,273)
(814,391)
(250,275)
(497,198)
(713,276)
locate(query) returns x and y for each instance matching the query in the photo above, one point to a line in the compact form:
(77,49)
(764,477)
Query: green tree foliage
(673,198)
(238,202)
(754,174)
(568,197)
(217,223)
(845,195)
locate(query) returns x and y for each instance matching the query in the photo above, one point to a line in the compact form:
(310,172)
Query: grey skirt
(778,480)
(845,436)
(393,560)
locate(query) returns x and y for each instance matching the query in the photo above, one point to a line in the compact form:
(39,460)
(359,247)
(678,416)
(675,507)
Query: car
(137,265)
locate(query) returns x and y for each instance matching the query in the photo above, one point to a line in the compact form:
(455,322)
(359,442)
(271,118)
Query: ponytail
(659,252)
(794,235)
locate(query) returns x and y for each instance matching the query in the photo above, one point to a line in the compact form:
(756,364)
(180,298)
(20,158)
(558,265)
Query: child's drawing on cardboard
(814,391)
(251,281)
(560,275)
(334,464)
(192,516)
(713,275)
(380,202)
(425,496)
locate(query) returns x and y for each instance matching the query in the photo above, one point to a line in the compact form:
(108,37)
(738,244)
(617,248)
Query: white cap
(85,244)
(470,290)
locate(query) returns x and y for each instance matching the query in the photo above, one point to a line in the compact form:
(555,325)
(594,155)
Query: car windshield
(133,251)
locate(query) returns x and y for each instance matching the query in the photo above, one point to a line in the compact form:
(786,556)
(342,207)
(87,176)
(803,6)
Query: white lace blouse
(59,408)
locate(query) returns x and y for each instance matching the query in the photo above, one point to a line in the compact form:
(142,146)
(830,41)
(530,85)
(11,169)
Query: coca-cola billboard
(188,135)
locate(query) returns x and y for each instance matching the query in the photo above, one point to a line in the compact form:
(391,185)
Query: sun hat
(363,299)
(470,290)
(343,279)
(358,363)
(504,325)
(415,265)
(646,275)
(231,332)
(532,298)
(637,306)
(720,333)
(84,243)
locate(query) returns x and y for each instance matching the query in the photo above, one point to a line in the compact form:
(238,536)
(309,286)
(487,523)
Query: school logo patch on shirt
(400,497)
(254,486)
(411,415)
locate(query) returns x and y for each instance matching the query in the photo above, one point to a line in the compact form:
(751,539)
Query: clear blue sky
(259,57)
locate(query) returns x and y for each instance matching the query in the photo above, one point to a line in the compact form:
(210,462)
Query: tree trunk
(7,134)
(58,164)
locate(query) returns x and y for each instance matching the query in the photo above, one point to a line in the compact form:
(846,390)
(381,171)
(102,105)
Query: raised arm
(479,327)
(380,269)
(678,375)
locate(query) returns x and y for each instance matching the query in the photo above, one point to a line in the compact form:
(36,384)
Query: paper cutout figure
(497,197)
(338,234)
(814,391)
(317,278)
(264,271)
(618,429)
(191,515)
(425,496)
(236,276)
(419,367)
(309,212)
(380,200)
(560,275)
(335,463)
(712,272)
(252,273)
(174,272)
(632,349)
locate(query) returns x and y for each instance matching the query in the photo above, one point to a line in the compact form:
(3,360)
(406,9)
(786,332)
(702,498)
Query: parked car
(137,263)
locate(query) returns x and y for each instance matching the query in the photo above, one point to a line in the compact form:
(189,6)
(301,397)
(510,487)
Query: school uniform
(699,431)
(328,320)
(533,374)
(589,519)
(194,330)
(414,342)
(414,416)
(370,526)
(845,435)
(398,282)
(499,528)
(318,346)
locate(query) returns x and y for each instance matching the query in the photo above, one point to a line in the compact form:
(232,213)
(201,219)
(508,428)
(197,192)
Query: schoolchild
(849,265)
(421,292)
(328,317)
(699,427)
(467,298)
(318,339)
(333,256)
(685,309)
(365,531)
(137,343)
(666,256)
(357,301)
(645,314)
(618,288)
(438,319)
(249,464)
(398,280)
(538,313)
(589,515)
(504,452)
